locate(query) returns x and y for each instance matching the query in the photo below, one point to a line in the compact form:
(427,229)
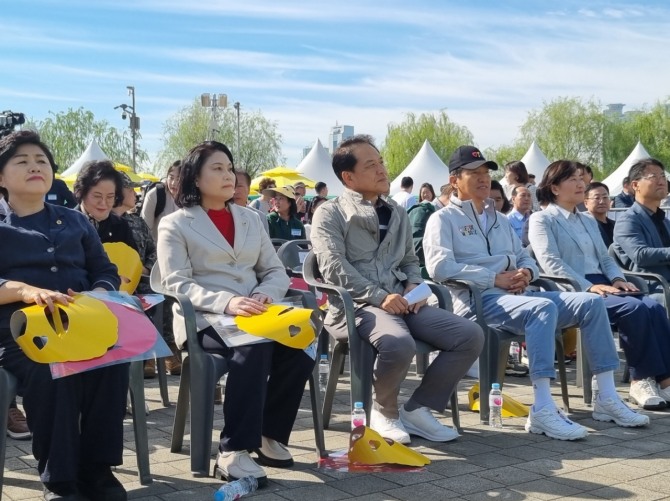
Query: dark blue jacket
(56,249)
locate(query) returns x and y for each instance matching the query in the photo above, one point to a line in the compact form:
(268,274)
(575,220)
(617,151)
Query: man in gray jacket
(363,243)
(469,240)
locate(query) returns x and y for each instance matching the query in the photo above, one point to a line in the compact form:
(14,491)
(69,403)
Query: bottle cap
(358,405)
(495,386)
(324,357)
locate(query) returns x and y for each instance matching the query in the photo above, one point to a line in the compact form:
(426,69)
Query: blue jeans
(538,315)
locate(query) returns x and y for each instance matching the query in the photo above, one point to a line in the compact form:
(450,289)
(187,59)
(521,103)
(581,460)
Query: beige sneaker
(234,465)
(274,454)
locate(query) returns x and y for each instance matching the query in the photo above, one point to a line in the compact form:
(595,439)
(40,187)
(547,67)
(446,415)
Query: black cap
(470,158)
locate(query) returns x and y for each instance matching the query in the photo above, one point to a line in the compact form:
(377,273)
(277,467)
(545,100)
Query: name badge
(296,232)
(52,196)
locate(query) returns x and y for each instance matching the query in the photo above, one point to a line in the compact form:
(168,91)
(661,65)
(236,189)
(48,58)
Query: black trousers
(76,421)
(263,390)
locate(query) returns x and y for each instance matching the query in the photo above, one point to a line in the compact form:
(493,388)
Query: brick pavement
(484,464)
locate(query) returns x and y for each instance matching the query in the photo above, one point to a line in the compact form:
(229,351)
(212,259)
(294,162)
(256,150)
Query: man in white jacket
(469,240)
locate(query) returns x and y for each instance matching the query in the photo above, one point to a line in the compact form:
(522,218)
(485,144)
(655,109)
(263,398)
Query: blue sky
(308,65)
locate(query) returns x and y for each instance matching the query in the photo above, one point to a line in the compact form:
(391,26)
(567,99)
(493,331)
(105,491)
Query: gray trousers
(459,340)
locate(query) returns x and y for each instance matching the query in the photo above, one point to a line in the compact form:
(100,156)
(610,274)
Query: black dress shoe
(99,484)
(64,491)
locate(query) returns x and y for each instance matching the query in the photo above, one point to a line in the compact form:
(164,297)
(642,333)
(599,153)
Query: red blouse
(223,220)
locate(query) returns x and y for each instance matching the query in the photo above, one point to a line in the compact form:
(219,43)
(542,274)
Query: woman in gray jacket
(567,243)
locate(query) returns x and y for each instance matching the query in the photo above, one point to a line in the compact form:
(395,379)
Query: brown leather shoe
(173,363)
(17,427)
(149,369)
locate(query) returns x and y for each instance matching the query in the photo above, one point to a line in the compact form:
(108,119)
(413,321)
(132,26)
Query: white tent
(535,161)
(92,152)
(615,180)
(425,167)
(317,165)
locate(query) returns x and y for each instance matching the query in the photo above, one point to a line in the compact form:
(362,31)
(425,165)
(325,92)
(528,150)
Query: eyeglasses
(604,198)
(654,177)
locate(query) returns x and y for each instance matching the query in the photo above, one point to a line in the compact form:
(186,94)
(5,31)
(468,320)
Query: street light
(237,145)
(214,101)
(134,122)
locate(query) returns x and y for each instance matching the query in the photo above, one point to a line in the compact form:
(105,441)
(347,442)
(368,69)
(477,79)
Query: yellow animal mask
(78,331)
(287,325)
(128,261)
(367,447)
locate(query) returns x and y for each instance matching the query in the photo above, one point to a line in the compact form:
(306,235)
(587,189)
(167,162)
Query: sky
(311,65)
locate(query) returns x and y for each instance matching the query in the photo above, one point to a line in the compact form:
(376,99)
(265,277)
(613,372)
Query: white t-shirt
(404,199)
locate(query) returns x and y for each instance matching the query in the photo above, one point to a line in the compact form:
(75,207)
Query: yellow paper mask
(367,447)
(128,261)
(287,325)
(81,330)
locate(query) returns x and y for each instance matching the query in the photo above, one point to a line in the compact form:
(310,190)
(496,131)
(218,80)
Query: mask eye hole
(290,308)
(60,324)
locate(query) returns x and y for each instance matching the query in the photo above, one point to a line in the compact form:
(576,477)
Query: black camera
(9,120)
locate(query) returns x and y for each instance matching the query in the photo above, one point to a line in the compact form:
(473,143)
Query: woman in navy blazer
(567,243)
(47,252)
(219,255)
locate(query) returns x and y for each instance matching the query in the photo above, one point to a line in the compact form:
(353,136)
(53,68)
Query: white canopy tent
(92,152)
(615,180)
(535,161)
(317,165)
(425,167)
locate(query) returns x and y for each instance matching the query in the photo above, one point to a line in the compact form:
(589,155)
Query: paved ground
(612,463)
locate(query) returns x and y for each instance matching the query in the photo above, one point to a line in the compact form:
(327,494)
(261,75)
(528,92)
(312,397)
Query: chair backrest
(614,255)
(310,268)
(278,242)
(293,253)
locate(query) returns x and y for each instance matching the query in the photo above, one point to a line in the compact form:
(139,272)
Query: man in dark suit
(626,197)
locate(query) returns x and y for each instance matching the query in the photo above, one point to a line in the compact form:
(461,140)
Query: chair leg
(455,416)
(317,417)
(183,401)
(337,361)
(422,362)
(560,358)
(585,372)
(162,381)
(140,421)
(7,392)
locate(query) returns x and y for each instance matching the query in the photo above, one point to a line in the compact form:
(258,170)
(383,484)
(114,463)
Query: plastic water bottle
(324,369)
(237,489)
(495,406)
(594,389)
(515,351)
(358,415)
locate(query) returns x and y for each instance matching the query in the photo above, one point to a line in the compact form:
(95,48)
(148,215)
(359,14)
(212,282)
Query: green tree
(260,141)
(68,133)
(403,141)
(567,128)
(504,154)
(650,126)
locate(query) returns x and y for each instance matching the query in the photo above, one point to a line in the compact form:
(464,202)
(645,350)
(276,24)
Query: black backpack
(161,196)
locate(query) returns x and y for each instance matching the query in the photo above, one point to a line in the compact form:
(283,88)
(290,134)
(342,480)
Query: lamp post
(213,101)
(237,144)
(134,123)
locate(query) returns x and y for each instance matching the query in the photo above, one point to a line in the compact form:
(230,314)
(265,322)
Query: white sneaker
(389,428)
(616,410)
(238,464)
(645,394)
(553,423)
(664,393)
(421,422)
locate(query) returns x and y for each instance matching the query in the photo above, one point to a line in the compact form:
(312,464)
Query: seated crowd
(210,244)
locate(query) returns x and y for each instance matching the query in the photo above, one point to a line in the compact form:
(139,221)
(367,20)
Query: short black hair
(637,170)
(507,206)
(10,143)
(406,182)
(344,159)
(188,194)
(319,186)
(94,172)
(555,174)
(245,175)
(593,185)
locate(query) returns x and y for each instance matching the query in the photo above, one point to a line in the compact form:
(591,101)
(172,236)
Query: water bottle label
(496,400)
(358,422)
